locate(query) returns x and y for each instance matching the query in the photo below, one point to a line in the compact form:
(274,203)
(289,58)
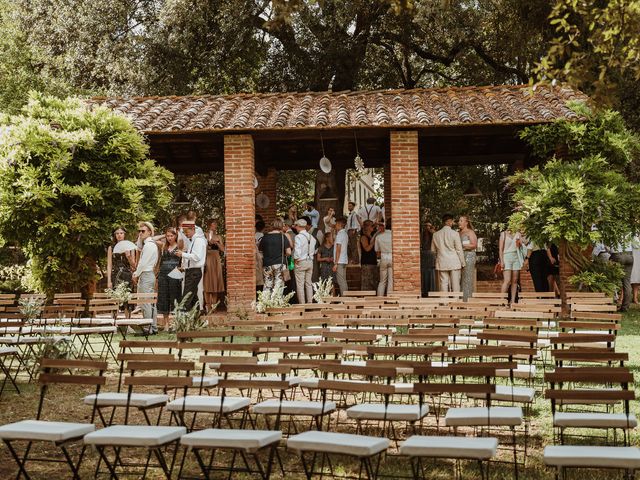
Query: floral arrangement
(187,320)
(31,307)
(122,293)
(274,298)
(322,289)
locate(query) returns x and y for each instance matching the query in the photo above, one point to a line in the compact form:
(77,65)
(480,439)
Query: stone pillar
(405,210)
(387,190)
(267,185)
(240,211)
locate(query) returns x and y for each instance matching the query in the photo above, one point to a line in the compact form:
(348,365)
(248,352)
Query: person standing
(427,260)
(382,245)
(311,212)
(275,247)
(371,211)
(353,226)
(469,241)
(325,258)
(213,276)
(145,275)
(169,288)
(447,246)
(260,226)
(329,221)
(193,261)
(623,255)
(340,257)
(511,260)
(635,272)
(537,262)
(369,273)
(303,253)
(120,266)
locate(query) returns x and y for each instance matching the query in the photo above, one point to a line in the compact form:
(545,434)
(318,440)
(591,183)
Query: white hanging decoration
(358,162)
(325,163)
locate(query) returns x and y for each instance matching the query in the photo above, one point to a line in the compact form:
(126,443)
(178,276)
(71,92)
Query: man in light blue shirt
(311,212)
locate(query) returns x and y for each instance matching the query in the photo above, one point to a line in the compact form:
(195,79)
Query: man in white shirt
(145,275)
(193,261)
(382,246)
(311,212)
(370,211)
(354,224)
(340,257)
(303,253)
(449,255)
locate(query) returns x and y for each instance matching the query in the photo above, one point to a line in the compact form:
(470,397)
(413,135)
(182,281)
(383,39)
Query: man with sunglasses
(145,275)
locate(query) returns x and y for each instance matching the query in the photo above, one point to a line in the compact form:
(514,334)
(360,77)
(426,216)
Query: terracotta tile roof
(323,110)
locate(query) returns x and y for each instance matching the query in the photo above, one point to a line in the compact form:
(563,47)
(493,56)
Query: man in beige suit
(449,255)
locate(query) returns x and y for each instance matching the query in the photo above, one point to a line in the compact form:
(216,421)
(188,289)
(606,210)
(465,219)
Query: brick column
(387,190)
(268,185)
(405,211)
(240,219)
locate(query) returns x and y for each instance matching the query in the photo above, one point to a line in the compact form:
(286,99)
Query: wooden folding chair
(60,435)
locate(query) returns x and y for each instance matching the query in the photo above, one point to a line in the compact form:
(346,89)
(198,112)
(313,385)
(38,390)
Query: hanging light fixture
(358,162)
(325,163)
(181,198)
(472,191)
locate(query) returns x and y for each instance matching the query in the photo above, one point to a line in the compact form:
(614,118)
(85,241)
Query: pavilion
(400,130)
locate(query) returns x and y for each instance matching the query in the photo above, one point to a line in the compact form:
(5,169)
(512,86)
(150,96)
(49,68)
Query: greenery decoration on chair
(322,289)
(121,293)
(274,298)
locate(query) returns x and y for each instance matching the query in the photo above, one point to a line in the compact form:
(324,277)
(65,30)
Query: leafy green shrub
(599,276)
(69,174)
(275,298)
(187,320)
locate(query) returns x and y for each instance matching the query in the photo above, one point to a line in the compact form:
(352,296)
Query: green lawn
(63,403)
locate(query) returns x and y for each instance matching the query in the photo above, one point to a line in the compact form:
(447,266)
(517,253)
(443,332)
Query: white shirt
(352,221)
(305,246)
(370,212)
(196,255)
(382,244)
(186,242)
(148,258)
(314,215)
(259,236)
(342,239)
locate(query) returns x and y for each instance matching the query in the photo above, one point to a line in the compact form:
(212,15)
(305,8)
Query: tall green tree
(69,175)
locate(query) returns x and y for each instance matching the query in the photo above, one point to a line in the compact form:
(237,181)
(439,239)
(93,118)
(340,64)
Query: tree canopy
(69,175)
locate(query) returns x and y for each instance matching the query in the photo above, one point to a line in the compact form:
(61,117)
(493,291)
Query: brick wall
(387,190)
(240,219)
(267,185)
(404,209)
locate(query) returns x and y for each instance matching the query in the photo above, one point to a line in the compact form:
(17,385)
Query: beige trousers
(449,280)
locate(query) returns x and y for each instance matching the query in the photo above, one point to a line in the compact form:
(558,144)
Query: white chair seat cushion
(115,399)
(134,435)
(479,416)
(231,438)
(43,430)
(135,322)
(478,448)
(205,381)
(376,411)
(92,330)
(522,371)
(292,407)
(508,393)
(207,404)
(403,387)
(585,456)
(8,350)
(343,443)
(594,420)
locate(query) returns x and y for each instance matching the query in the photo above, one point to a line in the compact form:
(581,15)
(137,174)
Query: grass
(64,404)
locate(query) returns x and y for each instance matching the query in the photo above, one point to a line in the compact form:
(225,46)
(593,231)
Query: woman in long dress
(635,272)
(213,278)
(469,241)
(427,260)
(169,289)
(120,266)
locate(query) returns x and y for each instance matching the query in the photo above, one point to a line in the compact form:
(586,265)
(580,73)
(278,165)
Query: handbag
(497,270)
